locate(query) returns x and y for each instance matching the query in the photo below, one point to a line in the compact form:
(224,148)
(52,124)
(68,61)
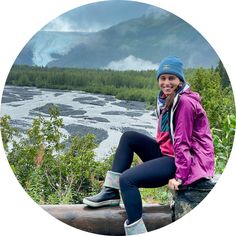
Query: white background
(20,20)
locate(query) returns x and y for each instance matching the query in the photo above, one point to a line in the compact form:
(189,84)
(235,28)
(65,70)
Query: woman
(181,154)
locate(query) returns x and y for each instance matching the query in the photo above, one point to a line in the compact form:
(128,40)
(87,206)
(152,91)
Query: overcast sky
(100,15)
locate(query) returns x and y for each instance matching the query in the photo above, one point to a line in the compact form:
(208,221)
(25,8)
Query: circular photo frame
(90,79)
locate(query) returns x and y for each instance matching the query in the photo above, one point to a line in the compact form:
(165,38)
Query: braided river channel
(102,115)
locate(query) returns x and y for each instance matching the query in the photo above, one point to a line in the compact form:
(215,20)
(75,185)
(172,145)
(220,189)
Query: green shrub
(50,172)
(223,142)
(53,174)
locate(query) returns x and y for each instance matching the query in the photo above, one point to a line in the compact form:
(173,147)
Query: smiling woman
(171,78)
(181,154)
(169,83)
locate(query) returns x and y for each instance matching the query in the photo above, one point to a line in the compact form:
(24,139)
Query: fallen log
(108,220)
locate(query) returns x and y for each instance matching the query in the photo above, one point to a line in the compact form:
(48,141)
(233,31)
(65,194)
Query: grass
(160,195)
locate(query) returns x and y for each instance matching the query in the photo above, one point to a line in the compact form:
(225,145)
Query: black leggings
(155,171)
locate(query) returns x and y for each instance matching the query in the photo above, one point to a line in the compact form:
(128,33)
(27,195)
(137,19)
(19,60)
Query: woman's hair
(170,98)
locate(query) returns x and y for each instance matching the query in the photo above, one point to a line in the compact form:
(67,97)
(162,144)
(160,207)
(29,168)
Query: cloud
(155,12)
(102,15)
(64,24)
(131,63)
(60,24)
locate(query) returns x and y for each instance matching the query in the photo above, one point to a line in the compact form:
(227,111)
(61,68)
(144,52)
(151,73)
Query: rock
(131,105)
(186,198)
(121,113)
(90,101)
(20,124)
(88,98)
(58,94)
(97,119)
(82,130)
(64,110)
(108,98)
(16,94)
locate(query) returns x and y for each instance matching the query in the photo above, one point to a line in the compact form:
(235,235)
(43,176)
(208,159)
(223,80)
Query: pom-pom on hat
(171,65)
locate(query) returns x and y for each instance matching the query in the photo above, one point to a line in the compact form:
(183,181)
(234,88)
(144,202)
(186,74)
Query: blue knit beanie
(171,65)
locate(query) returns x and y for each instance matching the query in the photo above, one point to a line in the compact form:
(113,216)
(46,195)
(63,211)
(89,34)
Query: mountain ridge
(149,38)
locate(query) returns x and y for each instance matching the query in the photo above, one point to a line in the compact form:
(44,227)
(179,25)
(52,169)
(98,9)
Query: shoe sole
(104,203)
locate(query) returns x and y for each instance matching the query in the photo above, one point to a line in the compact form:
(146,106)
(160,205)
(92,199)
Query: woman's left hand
(173,184)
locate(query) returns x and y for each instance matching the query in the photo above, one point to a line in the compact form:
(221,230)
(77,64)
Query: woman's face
(168,83)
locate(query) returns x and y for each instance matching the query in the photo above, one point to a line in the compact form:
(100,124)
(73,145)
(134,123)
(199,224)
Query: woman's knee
(132,139)
(128,136)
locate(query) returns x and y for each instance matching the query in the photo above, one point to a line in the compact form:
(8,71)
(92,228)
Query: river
(82,113)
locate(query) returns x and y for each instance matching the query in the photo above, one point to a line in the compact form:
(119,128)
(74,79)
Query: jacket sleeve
(183,123)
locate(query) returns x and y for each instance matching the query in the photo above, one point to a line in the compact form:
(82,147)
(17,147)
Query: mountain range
(136,43)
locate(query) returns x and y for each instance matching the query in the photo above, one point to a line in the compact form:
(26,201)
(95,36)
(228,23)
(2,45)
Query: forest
(54,173)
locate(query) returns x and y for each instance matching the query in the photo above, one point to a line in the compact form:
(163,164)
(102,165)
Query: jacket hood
(192,95)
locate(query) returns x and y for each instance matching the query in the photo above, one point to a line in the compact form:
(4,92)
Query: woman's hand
(173,184)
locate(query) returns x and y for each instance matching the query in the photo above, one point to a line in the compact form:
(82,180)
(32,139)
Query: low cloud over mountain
(131,63)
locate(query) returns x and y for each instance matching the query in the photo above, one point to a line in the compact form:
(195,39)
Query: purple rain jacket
(191,137)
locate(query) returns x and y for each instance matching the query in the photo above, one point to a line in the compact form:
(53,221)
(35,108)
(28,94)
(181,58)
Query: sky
(100,15)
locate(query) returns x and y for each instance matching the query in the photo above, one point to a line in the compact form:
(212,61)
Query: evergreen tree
(225,82)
